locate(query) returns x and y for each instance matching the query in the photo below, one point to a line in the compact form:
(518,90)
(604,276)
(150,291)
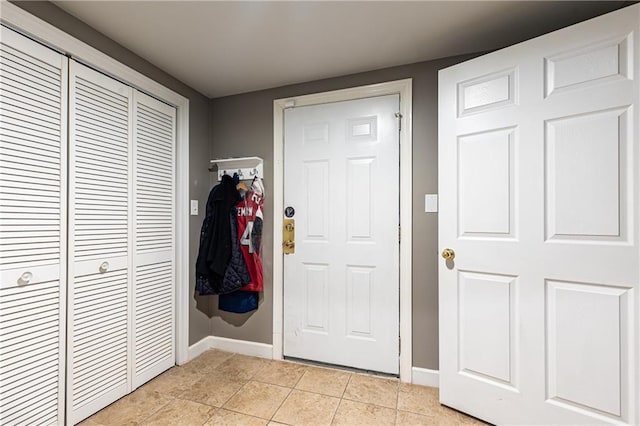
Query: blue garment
(238,302)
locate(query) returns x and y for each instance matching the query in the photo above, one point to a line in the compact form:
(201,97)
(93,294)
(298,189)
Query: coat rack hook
(245,167)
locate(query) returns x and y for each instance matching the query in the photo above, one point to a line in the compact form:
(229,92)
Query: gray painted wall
(242,125)
(199,323)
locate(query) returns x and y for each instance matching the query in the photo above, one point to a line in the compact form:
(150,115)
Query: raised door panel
(588,329)
(100,226)
(33,85)
(154,254)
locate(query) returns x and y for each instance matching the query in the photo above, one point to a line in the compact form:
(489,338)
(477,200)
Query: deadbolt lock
(289,236)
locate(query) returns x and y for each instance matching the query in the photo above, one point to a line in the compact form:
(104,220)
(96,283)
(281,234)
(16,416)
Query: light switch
(194,207)
(431,203)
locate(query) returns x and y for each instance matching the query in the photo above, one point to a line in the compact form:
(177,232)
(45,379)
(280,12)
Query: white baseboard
(242,347)
(425,377)
(200,347)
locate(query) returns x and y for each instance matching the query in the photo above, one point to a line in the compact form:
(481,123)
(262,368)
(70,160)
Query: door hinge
(399,117)
(399,345)
(399,234)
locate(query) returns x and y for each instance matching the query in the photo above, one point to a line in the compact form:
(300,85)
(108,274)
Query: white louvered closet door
(33,118)
(154,254)
(100,217)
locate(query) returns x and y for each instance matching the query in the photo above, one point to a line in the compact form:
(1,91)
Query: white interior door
(100,217)
(154,254)
(33,147)
(539,200)
(341,286)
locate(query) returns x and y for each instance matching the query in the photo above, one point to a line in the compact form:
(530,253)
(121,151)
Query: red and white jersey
(250,221)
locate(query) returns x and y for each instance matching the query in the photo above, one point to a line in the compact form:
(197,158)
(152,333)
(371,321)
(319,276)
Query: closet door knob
(25,278)
(104,267)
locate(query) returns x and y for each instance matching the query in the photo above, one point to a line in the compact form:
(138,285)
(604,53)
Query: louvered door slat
(10,112)
(32,231)
(35,89)
(100,213)
(154,196)
(22,73)
(13,56)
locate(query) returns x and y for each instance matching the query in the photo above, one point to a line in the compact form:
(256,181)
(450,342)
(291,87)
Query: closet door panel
(99,244)
(154,194)
(33,128)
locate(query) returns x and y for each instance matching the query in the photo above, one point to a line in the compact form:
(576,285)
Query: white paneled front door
(341,285)
(539,202)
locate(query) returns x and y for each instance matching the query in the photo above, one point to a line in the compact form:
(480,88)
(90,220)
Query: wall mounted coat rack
(245,167)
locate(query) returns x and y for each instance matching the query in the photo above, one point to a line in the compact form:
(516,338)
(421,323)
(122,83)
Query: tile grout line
(239,389)
(341,399)
(215,410)
(144,419)
(346,386)
(301,376)
(279,406)
(242,387)
(290,392)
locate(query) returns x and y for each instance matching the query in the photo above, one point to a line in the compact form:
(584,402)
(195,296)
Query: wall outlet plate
(194,207)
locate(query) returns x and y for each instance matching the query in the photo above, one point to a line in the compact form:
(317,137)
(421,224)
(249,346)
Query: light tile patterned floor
(221,388)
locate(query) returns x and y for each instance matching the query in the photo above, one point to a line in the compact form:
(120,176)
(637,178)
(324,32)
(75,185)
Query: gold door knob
(448,254)
(289,244)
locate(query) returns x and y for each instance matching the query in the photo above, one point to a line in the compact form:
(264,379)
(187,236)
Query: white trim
(28,24)
(278,205)
(425,377)
(182,234)
(404,88)
(200,347)
(242,347)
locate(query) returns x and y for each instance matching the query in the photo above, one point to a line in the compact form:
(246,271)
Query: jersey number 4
(245,240)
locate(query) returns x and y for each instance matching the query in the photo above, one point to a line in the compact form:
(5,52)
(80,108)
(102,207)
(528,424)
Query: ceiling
(227,47)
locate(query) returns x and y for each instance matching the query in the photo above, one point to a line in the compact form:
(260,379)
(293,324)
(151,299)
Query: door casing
(404,89)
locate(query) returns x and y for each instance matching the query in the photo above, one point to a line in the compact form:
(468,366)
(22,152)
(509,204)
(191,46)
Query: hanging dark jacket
(215,241)
(203,287)
(236,276)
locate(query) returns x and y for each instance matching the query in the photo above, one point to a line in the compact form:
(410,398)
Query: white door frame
(404,89)
(28,24)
